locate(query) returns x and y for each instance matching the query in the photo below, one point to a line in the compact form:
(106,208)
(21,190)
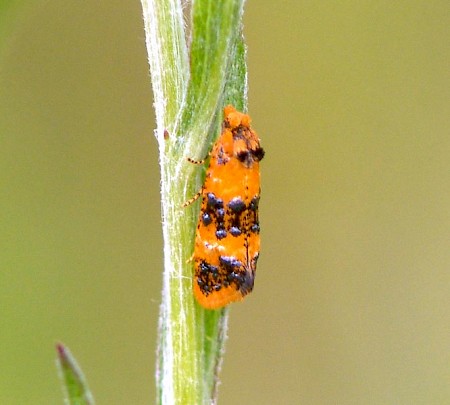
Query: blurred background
(352,298)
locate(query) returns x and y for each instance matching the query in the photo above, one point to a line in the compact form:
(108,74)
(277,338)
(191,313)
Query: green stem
(188,103)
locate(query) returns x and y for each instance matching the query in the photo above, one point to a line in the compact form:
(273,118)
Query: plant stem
(188,103)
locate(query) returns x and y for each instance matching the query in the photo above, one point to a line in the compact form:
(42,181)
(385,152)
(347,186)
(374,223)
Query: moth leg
(193,199)
(197,162)
(199,193)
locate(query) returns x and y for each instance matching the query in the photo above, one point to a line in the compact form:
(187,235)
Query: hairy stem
(190,88)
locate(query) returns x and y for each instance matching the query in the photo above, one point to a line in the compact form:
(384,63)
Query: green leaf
(216,26)
(235,92)
(75,385)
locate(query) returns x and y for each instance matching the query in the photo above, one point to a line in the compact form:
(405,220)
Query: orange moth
(227,238)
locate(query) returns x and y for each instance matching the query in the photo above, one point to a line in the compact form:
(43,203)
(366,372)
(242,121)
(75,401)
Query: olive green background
(352,300)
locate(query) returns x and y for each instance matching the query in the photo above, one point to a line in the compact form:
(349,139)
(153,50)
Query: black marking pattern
(230,220)
(230,272)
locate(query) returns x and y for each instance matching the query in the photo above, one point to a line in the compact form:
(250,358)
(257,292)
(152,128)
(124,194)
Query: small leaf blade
(75,386)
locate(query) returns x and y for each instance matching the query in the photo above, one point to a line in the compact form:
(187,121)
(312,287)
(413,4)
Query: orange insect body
(227,238)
